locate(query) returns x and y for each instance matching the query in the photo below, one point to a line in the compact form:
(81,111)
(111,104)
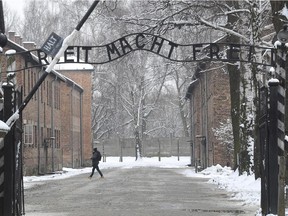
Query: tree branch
(228,31)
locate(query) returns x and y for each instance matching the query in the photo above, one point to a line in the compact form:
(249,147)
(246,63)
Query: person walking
(95,162)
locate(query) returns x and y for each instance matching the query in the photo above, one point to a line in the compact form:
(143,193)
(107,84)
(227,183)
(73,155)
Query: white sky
(16,5)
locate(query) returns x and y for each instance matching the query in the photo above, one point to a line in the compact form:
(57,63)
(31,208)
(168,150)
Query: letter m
(112,50)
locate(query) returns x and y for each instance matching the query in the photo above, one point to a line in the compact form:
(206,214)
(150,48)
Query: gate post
(272,184)
(281,76)
(9,155)
(281,70)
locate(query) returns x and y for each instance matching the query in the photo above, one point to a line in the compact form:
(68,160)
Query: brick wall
(84,79)
(30,157)
(70,127)
(211,100)
(220,111)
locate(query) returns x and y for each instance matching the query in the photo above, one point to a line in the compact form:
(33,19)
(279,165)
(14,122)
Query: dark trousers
(95,166)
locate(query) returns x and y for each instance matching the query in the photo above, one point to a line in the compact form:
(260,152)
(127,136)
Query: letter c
(140,46)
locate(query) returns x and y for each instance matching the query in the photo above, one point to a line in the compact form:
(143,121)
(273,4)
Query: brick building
(81,122)
(57,120)
(210,105)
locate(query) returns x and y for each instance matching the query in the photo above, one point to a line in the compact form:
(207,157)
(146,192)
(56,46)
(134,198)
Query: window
(48,136)
(35,137)
(49,93)
(56,96)
(57,138)
(28,81)
(24,78)
(41,96)
(28,134)
(34,82)
(42,135)
(76,105)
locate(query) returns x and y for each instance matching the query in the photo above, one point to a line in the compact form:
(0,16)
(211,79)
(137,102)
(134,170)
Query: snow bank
(243,187)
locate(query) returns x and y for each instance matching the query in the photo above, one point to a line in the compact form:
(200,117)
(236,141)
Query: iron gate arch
(164,48)
(196,52)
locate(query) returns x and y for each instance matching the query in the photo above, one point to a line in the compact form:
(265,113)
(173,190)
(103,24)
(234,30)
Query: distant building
(57,120)
(210,106)
(82,115)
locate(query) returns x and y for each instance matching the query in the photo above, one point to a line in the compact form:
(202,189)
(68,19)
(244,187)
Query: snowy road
(132,192)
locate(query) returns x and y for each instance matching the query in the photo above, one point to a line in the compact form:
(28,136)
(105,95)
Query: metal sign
(225,52)
(52,45)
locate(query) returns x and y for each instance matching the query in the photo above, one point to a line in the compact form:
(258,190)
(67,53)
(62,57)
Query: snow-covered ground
(243,187)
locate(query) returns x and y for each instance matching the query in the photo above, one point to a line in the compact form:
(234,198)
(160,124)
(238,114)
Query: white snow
(13,119)
(272,70)
(284,11)
(10,52)
(4,127)
(73,66)
(277,44)
(273,81)
(244,187)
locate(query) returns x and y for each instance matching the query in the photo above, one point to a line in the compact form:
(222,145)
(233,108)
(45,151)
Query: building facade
(82,115)
(57,120)
(210,107)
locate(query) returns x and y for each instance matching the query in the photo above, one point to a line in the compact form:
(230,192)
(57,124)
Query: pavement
(132,192)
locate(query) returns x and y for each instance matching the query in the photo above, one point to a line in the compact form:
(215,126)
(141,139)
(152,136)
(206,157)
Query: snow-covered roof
(70,66)
(71,82)
(73,66)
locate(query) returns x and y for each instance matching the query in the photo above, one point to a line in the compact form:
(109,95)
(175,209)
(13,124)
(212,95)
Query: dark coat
(96,158)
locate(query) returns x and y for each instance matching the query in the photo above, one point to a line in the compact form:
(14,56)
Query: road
(132,192)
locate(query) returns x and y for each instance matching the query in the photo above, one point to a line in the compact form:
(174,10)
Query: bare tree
(240,22)
(12,19)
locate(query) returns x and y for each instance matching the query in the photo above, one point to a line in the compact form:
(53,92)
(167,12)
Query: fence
(152,147)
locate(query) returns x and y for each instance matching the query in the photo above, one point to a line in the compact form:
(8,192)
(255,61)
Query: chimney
(11,36)
(18,40)
(29,45)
